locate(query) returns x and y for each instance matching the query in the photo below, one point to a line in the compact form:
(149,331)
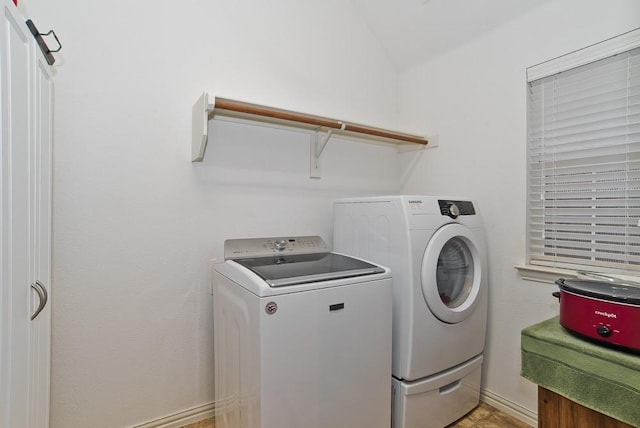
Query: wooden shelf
(203,111)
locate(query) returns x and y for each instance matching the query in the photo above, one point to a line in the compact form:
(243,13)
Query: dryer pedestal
(437,401)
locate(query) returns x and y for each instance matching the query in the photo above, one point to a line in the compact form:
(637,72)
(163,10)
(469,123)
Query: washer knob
(280,245)
(454,211)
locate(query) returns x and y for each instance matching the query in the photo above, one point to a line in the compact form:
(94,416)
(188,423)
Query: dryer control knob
(280,245)
(454,211)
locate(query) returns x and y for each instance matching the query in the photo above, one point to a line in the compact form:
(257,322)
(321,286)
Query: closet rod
(367,130)
(239,107)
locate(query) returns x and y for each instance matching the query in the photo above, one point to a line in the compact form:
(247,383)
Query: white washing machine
(302,337)
(435,247)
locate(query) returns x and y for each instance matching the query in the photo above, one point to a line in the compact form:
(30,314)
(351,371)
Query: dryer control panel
(456,208)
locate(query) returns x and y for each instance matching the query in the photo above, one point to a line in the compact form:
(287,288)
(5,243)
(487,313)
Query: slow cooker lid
(612,291)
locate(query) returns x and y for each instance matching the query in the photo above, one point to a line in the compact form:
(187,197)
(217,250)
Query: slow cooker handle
(559,282)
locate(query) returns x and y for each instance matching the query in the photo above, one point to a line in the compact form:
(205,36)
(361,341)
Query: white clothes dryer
(302,336)
(435,247)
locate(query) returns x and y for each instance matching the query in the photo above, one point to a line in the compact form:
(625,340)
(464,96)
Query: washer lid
(283,270)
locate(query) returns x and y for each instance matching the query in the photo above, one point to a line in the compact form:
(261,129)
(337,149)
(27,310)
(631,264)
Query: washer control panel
(264,247)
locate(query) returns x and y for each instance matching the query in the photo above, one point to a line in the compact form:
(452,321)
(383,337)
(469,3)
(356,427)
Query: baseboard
(206,411)
(180,419)
(509,407)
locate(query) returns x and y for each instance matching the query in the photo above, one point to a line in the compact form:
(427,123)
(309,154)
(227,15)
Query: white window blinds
(584,166)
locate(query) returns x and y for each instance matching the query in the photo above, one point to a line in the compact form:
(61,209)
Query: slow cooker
(606,312)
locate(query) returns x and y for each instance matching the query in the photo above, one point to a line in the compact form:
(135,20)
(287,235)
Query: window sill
(551,274)
(544,274)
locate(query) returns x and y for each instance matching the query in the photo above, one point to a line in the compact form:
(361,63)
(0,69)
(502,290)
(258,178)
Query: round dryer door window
(452,271)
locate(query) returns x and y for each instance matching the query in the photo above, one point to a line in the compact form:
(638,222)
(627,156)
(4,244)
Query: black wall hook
(43,45)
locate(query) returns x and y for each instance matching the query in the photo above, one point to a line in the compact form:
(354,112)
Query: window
(583,158)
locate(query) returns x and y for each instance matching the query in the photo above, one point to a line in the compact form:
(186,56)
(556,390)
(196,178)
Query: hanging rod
(203,111)
(226,105)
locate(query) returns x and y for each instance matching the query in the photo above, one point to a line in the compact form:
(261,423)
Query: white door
(40,326)
(25,225)
(452,270)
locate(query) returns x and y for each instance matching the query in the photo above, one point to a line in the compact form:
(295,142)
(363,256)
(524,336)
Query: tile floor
(486,416)
(483,416)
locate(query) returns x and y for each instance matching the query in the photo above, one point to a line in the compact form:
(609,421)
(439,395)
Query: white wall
(474,99)
(135,222)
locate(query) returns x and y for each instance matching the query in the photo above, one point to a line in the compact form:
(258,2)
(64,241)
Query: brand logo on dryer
(415,203)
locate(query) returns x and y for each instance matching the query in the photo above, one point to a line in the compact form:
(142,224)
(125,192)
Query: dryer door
(452,271)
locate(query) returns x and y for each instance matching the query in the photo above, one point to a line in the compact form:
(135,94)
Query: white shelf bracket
(200,127)
(318,143)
